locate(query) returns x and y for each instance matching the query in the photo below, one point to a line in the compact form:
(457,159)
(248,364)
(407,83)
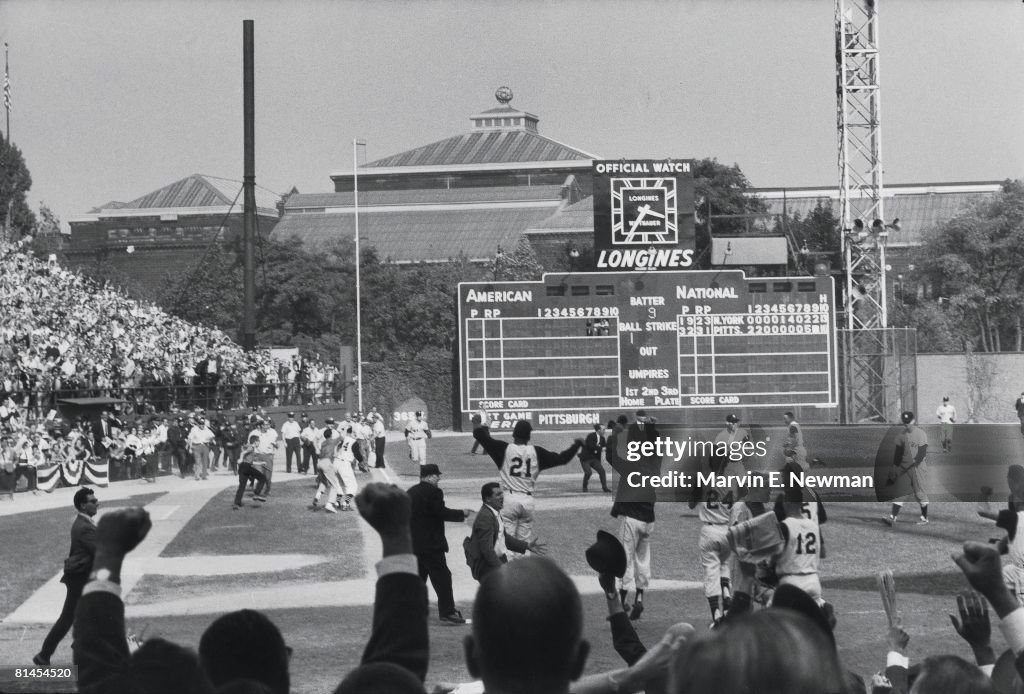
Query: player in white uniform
(1013,570)
(715,505)
(1009,519)
(797,564)
(416,434)
(327,470)
(947,417)
(519,464)
(794,448)
(346,457)
(909,460)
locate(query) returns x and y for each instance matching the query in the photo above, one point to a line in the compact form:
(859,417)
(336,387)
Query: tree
(816,236)
(15,182)
(208,294)
(46,236)
(719,190)
(519,265)
(975,262)
(980,373)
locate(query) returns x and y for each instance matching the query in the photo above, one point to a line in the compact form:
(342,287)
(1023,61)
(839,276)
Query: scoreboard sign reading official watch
(643,214)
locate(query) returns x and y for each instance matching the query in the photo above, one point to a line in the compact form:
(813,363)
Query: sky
(115,99)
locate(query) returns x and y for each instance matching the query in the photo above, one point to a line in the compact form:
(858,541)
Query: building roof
(578,217)
(431,196)
(193,192)
(404,235)
(919,207)
(485,147)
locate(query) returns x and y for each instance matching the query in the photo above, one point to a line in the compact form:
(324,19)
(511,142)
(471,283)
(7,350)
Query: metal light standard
(359,325)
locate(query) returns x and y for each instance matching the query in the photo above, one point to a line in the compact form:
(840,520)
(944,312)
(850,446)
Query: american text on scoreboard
(577,348)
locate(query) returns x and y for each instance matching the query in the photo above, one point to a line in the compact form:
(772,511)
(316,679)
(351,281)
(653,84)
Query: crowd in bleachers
(62,335)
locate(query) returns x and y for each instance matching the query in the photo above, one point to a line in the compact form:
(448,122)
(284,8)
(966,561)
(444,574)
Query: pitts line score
(576,349)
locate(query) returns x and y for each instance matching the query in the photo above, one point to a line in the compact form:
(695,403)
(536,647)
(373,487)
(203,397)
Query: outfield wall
(993,394)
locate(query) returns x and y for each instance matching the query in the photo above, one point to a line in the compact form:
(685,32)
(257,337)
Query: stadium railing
(158,399)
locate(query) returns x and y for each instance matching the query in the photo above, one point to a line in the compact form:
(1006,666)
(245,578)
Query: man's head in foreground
(527,629)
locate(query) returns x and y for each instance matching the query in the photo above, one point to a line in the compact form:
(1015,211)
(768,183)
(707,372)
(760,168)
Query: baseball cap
(329,420)
(907,417)
(429,469)
(419,413)
(945,398)
(732,419)
(522,429)
(291,414)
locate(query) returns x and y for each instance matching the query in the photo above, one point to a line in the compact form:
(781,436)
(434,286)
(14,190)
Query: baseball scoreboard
(579,348)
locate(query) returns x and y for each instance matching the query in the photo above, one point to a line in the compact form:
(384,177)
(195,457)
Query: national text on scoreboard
(577,349)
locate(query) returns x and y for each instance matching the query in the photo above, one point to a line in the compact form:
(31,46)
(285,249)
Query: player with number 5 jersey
(797,564)
(519,464)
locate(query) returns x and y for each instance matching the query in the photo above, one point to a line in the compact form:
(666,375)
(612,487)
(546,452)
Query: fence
(164,398)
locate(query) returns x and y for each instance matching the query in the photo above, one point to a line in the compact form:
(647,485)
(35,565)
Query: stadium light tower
(864,231)
(860,163)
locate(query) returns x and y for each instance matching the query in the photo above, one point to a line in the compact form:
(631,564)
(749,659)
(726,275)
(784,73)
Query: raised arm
(494,447)
(100,647)
(399,633)
(548,459)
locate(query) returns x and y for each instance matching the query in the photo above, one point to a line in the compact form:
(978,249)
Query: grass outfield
(281,526)
(328,640)
(37,544)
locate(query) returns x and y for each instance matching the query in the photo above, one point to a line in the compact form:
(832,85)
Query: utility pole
(249,188)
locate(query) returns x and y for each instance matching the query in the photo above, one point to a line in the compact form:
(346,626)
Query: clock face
(643,211)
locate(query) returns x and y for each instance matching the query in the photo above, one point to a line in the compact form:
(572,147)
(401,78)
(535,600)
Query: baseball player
(715,505)
(733,436)
(417,431)
(1009,520)
(793,448)
(327,472)
(745,586)
(519,464)
(797,564)
(909,459)
(947,417)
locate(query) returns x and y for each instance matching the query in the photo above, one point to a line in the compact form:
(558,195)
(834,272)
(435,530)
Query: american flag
(7,81)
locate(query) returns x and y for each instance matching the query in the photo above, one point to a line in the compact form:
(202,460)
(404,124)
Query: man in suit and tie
(104,433)
(429,543)
(76,571)
(486,547)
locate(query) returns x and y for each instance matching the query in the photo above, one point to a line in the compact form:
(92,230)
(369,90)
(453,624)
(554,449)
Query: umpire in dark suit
(429,543)
(76,571)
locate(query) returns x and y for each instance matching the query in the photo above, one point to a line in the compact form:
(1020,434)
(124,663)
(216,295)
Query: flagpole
(7,107)
(7,89)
